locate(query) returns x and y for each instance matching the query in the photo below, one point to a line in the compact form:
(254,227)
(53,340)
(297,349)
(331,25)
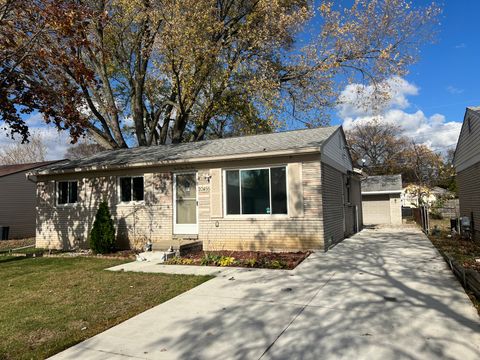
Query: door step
(155,256)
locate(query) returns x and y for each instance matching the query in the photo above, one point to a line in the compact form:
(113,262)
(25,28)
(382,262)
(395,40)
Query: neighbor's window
(256,191)
(131,189)
(67,192)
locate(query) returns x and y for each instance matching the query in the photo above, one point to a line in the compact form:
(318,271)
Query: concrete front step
(176,244)
(155,256)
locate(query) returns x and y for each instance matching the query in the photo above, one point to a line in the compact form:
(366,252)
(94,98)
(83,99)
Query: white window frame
(57,193)
(119,190)
(266,167)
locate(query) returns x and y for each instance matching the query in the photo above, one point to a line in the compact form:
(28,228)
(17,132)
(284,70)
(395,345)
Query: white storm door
(185,205)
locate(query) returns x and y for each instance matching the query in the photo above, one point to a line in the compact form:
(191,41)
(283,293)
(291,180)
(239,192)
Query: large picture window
(256,191)
(67,192)
(131,189)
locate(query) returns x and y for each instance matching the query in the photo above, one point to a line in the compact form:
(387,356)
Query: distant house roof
(382,184)
(288,142)
(16,168)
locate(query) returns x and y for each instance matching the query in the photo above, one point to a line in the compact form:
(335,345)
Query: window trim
(57,193)
(246,216)
(119,190)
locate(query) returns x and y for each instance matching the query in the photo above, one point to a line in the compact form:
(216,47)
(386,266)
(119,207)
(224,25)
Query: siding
(333,209)
(335,152)
(469,195)
(68,227)
(17,205)
(468,147)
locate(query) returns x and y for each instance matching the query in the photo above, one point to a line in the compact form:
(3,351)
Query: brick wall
(68,226)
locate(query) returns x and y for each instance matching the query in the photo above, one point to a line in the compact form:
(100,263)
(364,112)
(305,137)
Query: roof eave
(290,152)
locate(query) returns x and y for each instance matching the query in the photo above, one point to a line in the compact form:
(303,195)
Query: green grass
(50,304)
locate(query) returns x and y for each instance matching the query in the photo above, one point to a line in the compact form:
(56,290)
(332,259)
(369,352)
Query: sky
(429,103)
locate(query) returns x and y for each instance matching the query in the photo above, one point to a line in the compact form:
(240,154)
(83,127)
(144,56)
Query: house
(411,193)
(293,190)
(381,200)
(17,201)
(467,167)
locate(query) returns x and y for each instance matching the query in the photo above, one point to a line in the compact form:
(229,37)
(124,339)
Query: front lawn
(50,304)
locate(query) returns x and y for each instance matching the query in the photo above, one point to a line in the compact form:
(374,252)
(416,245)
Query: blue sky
(428,103)
(443,83)
(448,73)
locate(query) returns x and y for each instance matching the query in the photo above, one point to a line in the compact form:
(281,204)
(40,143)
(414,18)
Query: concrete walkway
(382,294)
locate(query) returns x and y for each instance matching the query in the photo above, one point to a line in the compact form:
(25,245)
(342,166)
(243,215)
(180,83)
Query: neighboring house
(381,200)
(292,190)
(410,195)
(467,166)
(17,201)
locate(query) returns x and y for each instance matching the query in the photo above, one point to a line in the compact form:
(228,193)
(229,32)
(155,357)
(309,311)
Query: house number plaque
(204,188)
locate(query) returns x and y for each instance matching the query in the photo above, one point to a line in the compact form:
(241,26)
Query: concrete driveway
(382,294)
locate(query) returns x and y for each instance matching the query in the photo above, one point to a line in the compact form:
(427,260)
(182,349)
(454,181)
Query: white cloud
(57,142)
(432,130)
(358,99)
(453,90)
(460,46)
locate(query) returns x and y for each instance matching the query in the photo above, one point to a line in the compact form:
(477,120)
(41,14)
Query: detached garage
(381,200)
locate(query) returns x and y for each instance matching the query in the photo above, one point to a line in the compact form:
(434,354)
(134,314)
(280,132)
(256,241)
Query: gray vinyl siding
(468,148)
(469,195)
(335,152)
(333,211)
(17,205)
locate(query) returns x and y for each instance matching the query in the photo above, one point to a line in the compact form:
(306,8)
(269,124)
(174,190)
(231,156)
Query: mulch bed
(466,252)
(250,259)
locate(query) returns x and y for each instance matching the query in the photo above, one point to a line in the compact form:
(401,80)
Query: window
(67,192)
(256,191)
(131,189)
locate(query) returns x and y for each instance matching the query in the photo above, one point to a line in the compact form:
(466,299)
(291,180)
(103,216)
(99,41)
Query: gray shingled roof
(382,183)
(288,140)
(16,168)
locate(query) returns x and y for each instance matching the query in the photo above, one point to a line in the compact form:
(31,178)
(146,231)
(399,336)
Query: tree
(378,146)
(447,176)
(102,235)
(151,71)
(83,149)
(33,151)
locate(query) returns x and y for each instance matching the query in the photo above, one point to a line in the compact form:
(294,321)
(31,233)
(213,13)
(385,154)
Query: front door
(185,211)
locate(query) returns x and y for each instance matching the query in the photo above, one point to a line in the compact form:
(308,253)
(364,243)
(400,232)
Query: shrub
(102,236)
(177,260)
(251,262)
(210,259)
(226,261)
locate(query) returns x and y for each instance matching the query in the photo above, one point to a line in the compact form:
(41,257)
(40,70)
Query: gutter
(382,192)
(303,151)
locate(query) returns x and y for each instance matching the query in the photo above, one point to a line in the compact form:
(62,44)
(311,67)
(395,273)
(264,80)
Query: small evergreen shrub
(102,236)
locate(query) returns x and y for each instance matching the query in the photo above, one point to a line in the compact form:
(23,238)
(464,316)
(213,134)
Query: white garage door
(376,209)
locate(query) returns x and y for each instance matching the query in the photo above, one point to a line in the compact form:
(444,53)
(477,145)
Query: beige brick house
(292,190)
(467,166)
